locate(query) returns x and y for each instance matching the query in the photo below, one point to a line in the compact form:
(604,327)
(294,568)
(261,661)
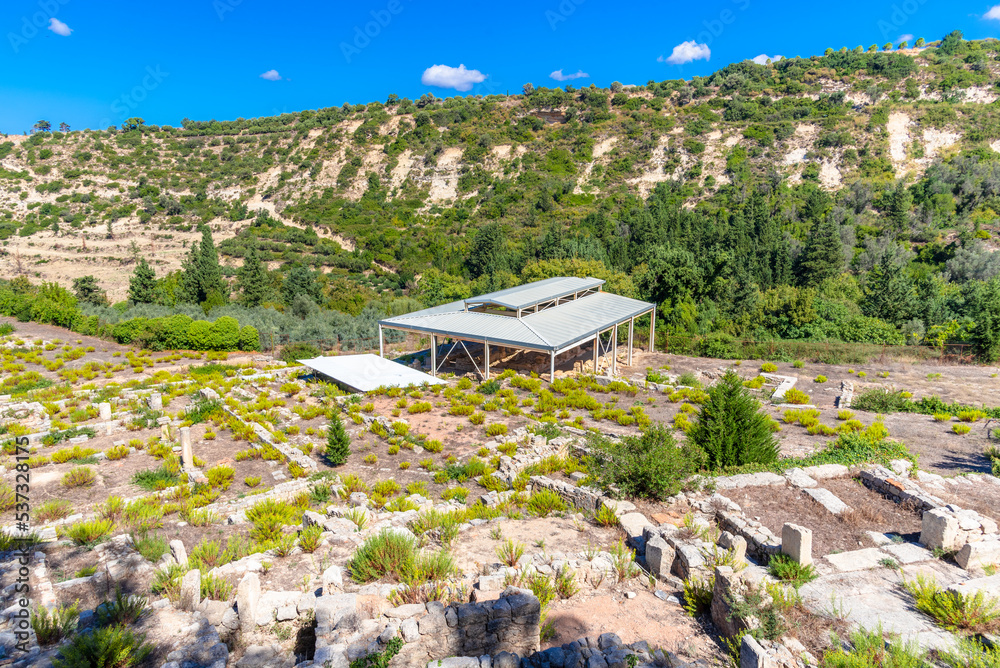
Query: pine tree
(142,285)
(731,429)
(251,279)
(823,256)
(889,293)
(301,280)
(338,443)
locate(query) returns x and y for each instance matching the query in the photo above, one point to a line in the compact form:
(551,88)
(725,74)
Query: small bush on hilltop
(650,465)
(731,429)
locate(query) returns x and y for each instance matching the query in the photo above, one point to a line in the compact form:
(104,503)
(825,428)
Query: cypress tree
(191,276)
(338,443)
(209,268)
(823,256)
(251,280)
(731,429)
(142,285)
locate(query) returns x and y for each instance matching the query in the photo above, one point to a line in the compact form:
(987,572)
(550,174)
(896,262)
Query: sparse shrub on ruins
(650,465)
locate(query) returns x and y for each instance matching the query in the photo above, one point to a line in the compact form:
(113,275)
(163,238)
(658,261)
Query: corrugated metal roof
(582,318)
(552,329)
(478,326)
(524,296)
(365,373)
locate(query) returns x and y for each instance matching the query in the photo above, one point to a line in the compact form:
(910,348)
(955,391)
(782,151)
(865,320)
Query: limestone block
(178,552)
(659,556)
(190,590)
(796,542)
(247,598)
(939,528)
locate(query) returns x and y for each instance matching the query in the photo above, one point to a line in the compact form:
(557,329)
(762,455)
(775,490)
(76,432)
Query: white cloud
(909,38)
(685,52)
(993,13)
(271,75)
(559,76)
(59,28)
(763,58)
(445,76)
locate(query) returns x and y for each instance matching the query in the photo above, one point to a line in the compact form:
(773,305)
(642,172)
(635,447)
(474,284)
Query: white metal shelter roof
(367,372)
(551,330)
(526,296)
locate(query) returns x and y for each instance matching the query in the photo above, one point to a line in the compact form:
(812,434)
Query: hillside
(701,195)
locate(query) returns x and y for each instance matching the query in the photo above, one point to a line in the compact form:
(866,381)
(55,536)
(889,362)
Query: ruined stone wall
(434,632)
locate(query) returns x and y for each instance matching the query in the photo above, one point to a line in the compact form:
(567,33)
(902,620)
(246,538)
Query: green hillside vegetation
(677,192)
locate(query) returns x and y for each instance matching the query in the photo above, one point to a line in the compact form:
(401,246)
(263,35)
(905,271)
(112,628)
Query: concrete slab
(908,553)
(988,585)
(856,560)
(827,499)
(879,538)
(363,373)
(875,598)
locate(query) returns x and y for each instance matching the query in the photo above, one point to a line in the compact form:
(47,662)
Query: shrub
(698,595)
(976,612)
(153,480)
(249,338)
(116,452)
(268,517)
(769,367)
(650,465)
(820,379)
(51,626)
(868,649)
(53,509)
(880,400)
(151,547)
(386,554)
(220,476)
(80,476)
(510,552)
(961,429)
(971,415)
(795,396)
(731,429)
(545,501)
(309,538)
(496,429)
(89,532)
(251,480)
(110,647)
(298,351)
(122,610)
(783,567)
(942,417)
(338,443)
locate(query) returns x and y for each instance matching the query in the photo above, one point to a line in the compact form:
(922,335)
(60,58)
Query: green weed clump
(784,568)
(396,556)
(108,647)
(90,532)
(972,613)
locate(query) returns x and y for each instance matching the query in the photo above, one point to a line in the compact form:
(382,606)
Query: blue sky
(91,64)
